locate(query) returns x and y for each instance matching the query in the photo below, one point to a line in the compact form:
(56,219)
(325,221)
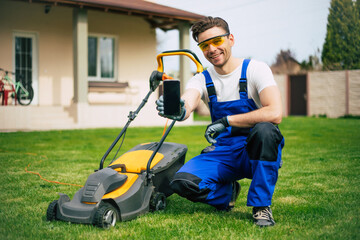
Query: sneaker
(263,216)
(235,194)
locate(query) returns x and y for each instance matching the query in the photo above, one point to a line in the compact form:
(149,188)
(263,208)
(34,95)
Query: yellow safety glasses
(215,41)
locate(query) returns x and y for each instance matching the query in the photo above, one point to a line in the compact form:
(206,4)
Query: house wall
(55,108)
(136,50)
(54,37)
(136,53)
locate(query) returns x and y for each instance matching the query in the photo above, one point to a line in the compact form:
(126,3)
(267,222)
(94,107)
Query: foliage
(316,197)
(313,62)
(341,49)
(284,56)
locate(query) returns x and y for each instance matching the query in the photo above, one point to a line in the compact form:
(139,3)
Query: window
(101,58)
(23,60)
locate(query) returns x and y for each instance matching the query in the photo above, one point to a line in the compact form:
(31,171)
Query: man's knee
(187,186)
(263,142)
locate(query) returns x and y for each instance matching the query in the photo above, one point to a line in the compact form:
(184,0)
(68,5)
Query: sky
(261,27)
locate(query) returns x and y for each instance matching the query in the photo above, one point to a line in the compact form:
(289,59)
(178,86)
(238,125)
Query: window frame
(35,61)
(98,64)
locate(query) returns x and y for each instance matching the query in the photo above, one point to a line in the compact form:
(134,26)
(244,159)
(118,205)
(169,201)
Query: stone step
(51,118)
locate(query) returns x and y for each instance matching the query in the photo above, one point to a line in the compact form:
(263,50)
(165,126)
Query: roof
(157,15)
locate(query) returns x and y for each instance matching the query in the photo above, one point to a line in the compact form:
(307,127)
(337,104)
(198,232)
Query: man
(245,107)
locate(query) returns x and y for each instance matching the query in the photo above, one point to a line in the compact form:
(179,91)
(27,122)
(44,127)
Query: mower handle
(159,75)
(155,79)
(185,52)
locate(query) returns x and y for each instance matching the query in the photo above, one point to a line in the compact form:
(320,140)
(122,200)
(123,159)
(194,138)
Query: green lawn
(317,195)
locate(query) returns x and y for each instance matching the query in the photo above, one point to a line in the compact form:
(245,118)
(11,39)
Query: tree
(341,49)
(313,62)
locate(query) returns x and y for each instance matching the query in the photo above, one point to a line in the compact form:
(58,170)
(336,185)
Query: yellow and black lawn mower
(133,184)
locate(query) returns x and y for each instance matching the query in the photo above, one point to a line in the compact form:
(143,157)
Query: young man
(245,107)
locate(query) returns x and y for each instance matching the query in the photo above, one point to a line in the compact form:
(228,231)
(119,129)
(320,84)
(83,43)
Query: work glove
(214,129)
(160,108)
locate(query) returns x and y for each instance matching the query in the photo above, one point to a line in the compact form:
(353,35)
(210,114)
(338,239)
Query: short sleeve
(261,75)
(197,82)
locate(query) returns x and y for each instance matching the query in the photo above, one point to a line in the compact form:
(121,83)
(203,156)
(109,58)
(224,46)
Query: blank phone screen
(172,97)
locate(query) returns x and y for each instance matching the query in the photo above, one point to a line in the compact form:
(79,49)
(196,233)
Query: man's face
(217,55)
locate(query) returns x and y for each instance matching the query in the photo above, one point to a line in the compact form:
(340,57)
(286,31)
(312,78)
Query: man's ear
(231,39)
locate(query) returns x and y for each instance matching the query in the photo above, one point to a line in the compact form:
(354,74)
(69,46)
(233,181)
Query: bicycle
(24,95)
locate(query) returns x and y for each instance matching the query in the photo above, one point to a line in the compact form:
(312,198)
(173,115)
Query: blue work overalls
(208,177)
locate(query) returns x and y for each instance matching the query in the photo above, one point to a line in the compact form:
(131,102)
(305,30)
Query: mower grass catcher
(135,183)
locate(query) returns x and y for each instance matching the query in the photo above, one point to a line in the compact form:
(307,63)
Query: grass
(317,195)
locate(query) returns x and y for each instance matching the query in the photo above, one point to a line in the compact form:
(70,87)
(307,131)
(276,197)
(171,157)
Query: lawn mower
(133,184)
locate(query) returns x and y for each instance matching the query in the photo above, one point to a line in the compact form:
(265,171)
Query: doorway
(298,95)
(25,61)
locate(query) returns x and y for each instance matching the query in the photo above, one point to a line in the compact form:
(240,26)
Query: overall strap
(210,87)
(243,80)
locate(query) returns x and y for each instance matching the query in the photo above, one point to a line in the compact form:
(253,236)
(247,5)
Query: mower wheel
(158,202)
(106,216)
(51,211)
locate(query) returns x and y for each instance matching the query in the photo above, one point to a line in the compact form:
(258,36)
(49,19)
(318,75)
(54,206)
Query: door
(25,61)
(298,95)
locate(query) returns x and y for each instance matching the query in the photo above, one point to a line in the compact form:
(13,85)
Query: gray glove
(214,129)
(160,108)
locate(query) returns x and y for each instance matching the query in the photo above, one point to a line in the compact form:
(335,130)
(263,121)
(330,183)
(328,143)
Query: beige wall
(333,94)
(136,43)
(327,93)
(54,36)
(136,47)
(136,54)
(354,92)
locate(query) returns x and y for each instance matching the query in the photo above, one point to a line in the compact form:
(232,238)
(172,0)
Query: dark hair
(207,23)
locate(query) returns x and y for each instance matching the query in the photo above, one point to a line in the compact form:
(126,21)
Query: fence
(333,94)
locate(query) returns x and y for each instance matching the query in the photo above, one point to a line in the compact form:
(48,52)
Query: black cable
(122,141)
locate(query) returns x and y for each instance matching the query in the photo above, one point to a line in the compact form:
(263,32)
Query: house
(89,62)
(286,64)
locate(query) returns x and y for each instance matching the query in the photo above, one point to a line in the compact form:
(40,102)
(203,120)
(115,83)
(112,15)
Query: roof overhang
(159,16)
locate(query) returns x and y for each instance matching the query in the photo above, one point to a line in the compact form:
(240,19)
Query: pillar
(184,40)
(80,42)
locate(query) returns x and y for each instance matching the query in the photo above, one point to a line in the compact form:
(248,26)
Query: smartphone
(172,97)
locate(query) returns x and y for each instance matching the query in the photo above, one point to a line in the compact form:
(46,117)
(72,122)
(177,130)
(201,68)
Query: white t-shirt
(259,76)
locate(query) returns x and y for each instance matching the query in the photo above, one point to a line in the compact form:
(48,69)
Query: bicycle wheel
(23,97)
